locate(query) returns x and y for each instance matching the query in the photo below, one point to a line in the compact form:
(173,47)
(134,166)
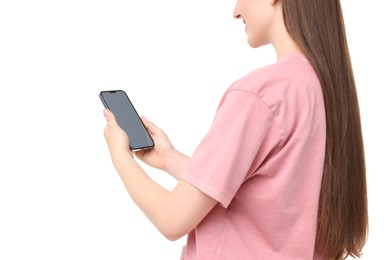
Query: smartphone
(127,118)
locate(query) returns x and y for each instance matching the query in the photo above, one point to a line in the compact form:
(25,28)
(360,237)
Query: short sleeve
(234,147)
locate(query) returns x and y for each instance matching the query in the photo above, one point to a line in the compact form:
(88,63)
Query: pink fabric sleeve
(234,147)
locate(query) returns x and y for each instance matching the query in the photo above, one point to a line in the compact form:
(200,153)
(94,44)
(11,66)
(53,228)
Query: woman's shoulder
(288,74)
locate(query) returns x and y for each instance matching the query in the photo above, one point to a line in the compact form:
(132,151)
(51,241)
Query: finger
(110,118)
(152,128)
(145,121)
(140,154)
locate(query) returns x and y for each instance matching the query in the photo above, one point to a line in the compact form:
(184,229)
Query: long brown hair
(317,26)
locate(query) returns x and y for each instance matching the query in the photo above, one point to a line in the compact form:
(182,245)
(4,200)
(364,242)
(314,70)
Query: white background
(60,197)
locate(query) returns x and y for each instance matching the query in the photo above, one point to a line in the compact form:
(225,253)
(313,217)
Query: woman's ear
(274,2)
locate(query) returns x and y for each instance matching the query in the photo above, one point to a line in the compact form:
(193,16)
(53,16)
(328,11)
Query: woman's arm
(174,213)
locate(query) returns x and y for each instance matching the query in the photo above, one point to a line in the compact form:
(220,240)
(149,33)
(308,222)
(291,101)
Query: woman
(281,172)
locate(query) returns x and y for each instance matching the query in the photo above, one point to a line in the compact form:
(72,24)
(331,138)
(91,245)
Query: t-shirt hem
(209,191)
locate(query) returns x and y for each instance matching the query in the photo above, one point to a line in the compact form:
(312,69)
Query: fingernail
(106,112)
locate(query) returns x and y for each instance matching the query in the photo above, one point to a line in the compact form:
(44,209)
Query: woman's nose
(236,14)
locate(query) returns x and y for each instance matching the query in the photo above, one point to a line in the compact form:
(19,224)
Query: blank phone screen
(128,119)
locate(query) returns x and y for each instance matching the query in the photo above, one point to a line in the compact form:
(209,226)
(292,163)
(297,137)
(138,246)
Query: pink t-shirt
(262,160)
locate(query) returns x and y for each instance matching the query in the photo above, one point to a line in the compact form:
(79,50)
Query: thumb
(110,118)
(151,127)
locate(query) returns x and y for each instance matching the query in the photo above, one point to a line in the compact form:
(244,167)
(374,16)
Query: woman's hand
(117,140)
(162,150)
(163,156)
